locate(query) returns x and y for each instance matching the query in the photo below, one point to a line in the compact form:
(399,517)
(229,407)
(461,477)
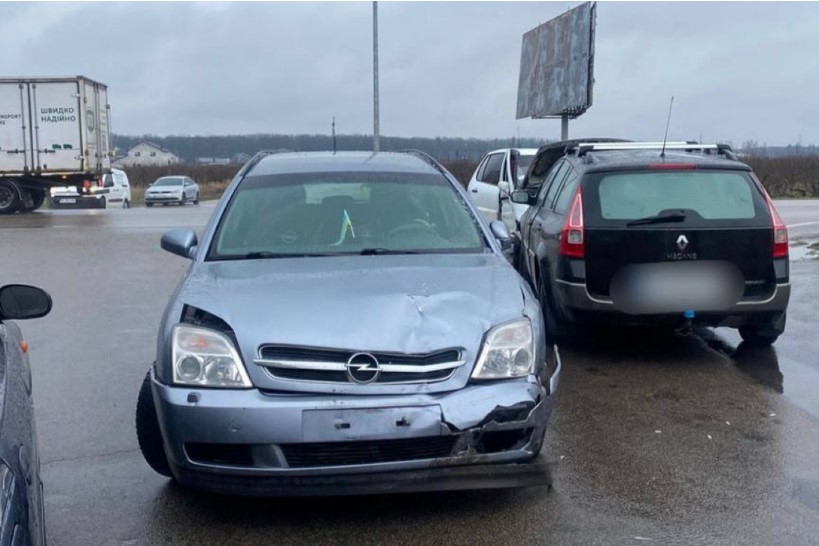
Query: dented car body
(404,366)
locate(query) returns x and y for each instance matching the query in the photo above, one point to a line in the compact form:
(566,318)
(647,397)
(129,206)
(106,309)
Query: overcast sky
(738,71)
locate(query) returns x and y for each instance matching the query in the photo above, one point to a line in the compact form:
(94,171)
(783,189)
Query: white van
(116,190)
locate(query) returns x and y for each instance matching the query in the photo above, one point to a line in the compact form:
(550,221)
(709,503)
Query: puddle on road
(802,250)
(798,382)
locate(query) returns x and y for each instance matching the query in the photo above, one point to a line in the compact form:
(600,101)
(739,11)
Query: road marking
(801,224)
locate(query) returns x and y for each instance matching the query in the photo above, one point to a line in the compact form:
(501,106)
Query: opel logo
(682,242)
(363,368)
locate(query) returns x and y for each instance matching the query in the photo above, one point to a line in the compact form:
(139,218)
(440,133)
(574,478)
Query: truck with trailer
(54,132)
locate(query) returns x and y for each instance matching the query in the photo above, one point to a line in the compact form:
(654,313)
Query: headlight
(507,352)
(206,358)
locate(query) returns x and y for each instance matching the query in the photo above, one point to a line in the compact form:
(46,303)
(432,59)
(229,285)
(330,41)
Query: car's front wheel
(196,199)
(147,428)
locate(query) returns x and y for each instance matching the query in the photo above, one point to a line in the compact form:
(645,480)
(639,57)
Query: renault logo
(682,242)
(363,368)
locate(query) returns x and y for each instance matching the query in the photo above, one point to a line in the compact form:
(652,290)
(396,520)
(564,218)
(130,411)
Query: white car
(115,192)
(499,174)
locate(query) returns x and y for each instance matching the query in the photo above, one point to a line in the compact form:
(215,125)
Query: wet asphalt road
(654,440)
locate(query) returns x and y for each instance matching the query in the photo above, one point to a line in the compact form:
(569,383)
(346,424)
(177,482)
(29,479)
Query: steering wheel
(417,227)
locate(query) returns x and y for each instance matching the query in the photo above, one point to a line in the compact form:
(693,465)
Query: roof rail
(427,159)
(258,156)
(723,149)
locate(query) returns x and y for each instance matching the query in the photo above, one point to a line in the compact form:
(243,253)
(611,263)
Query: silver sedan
(172,189)
(348,325)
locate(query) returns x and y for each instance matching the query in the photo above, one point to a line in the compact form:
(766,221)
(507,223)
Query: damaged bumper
(252,442)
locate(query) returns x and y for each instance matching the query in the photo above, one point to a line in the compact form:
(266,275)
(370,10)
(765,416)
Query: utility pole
(376,130)
(334,134)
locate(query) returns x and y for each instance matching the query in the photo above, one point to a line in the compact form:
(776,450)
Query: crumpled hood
(406,304)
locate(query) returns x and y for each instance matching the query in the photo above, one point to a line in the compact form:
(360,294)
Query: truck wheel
(147,430)
(9,198)
(37,198)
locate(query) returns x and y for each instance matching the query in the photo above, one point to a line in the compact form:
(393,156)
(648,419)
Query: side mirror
(522,197)
(500,231)
(20,301)
(181,242)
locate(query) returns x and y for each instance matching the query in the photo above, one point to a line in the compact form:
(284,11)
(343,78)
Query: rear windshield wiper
(658,219)
(380,251)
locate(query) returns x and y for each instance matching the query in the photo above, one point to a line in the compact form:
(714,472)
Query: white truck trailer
(53,132)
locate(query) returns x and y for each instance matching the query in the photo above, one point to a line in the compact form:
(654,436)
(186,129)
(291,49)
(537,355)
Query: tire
(37,199)
(184,200)
(126,204)
(147,430)
(763,335)
(196,199)
(9,198)
(554,325)
(149,205)
(103,204)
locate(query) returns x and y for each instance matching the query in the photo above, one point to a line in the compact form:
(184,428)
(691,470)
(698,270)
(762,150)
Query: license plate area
(675,287)
(371,423)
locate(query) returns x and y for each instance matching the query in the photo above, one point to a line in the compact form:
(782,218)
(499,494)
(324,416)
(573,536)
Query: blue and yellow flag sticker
(346,226)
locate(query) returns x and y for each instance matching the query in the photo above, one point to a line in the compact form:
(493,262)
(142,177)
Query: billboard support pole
(564,127)
(376,129)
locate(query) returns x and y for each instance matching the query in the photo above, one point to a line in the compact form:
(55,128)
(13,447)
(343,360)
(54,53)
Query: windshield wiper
(380,251)
(266,254)
(658,219)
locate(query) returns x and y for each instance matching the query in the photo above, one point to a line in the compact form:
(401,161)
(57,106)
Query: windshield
(169,181)
(713,195)
(349,213)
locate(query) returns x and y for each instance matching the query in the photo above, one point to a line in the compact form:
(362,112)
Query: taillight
(780,245)
(571,236)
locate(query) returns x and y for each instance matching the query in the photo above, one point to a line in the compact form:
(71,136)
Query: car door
(508,183)
(483,189)
(539,224)
(191,189)
(125,185)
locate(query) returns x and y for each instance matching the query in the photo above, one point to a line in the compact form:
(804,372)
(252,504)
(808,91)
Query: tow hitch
(688,327)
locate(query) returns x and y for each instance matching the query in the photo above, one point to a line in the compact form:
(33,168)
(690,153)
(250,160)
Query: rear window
(713,195)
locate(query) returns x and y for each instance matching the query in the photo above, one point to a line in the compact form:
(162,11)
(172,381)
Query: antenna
(667,125)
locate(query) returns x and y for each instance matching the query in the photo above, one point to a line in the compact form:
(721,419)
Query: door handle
(474,190)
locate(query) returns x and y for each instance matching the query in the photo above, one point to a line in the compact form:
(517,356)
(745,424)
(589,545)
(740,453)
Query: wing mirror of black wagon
(522,197)
(20,301)
(181,242)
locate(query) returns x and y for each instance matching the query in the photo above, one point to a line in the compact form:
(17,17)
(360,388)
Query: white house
(146,153)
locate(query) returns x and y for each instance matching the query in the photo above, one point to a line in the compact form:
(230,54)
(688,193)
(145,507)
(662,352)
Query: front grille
(330,365)
(367,452)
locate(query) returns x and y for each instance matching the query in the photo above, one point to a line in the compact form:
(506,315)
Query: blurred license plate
(68,200)
(335,425)
(677,287)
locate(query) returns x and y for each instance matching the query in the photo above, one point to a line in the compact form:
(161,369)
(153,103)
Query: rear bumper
(497,430)
(576,298)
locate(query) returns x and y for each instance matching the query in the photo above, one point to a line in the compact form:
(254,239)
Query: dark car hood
(404,304)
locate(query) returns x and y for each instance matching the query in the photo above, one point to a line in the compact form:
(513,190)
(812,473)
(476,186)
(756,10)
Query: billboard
(556,66)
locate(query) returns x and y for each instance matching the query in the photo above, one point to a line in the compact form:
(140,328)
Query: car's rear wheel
(149,205)
(763,335)
(126,204)
(556,327)
(147,428)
